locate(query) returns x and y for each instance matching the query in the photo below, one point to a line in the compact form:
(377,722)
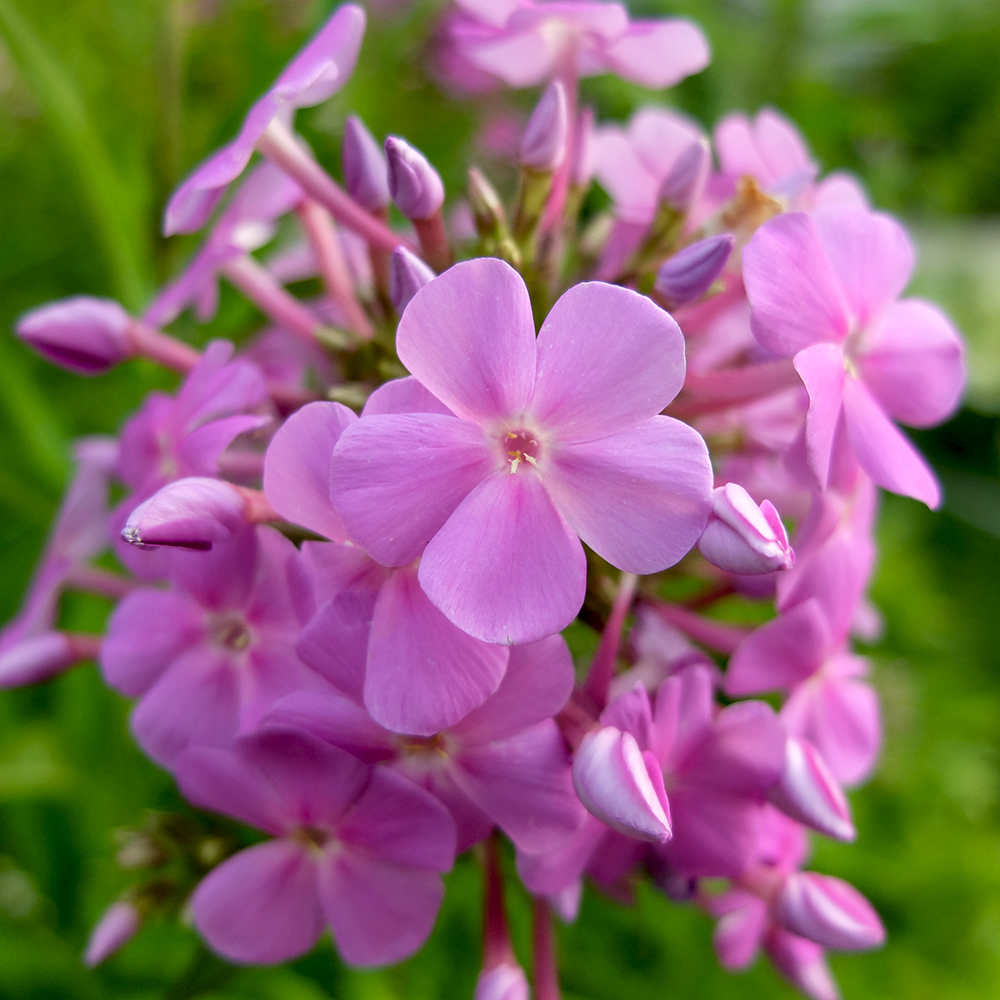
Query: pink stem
(496,936)
(546,977)
(94,580)
(715,635)
(281,147)
(161,348)
(730,387)
(434,241)
(256,509)
(602,669)
(273,300)
(325,243)
(83,646)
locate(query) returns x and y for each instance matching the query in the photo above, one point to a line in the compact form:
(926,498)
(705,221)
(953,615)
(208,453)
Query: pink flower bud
(189,513)
(40,657)
(119,923)
(689,274)
(87,335)
(809,793)
(407,275)
(364,166)
(544,143)
(681,187)
(505,981)
(621,785)
(829,911)
(802,963)
(741,537)
(415,186)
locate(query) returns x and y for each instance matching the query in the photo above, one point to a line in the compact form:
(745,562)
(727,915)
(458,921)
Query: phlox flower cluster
(351,551)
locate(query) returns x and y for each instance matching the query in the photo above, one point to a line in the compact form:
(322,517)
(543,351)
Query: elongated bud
(87,335)
(690,273)
(40,657)
(407,275)
(683,184)
(621,785)
(741,537)
(829,911)
(543,145)
(191,513)
(415,186)
(505,981)
(117,926)
(810,794)
(487,209)
(365,172)
(802,963)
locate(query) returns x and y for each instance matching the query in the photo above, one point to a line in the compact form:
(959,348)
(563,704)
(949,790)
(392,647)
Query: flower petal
(608,358)
(468,336)
(660,53)
(261,906)
(821,368)
(506,567)
(640,498)
(396,479)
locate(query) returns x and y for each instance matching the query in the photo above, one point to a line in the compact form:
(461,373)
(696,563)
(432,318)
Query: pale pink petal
(335,642)
(520,60)
(297,467)
(537,684)
(738,153)
(913,363)
(380,912)
(640,498)
(883,451)
(624,175)
(781,652)
(260,906)
(821,368)
(396,479)
(870,254)
(468,336)
(738,933)
(781,146)
(715,833)
(809,793)
(523,784)
(423,673)
(659,54)
(829,911)
(506,567)
(403,395)
(794,293)
(608,358)
(554,871)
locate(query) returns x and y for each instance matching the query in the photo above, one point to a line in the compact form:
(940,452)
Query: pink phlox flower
(248,223)
(78,534)
(287,360)
(823,289)
(771,149)
(209,656)
(538,41)
(354,848)
(314,75)
(545,443)
(504,763)
(374,633)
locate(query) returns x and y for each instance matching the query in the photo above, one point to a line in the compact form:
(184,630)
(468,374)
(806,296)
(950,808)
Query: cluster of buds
(348,550)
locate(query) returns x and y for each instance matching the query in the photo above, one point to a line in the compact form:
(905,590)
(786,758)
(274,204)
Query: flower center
(520,447)
(418,745)
(230,631)
(312,836)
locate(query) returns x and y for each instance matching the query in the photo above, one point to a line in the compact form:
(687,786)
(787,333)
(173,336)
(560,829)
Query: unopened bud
(87,335)
(487,209)
(118,925)
(407,275)
(802,963)
(829,911)
(364,166)
(690,273)
(505,981)
(191,513)
(621,785)
(415,186)
(810,794)
(543,145)
(40,657)
(741,537)
(681,187)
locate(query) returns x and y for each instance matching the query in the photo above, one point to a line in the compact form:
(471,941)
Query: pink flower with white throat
(548,443)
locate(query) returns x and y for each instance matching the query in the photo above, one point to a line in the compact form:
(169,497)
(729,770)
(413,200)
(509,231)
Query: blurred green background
(104,104)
